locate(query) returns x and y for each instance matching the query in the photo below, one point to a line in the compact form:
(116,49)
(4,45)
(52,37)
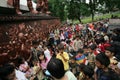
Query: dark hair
(20,60)
(88,71)
(93,47)
(5,71)
(81,66)
(56,68)
(99,40)
(111,49)
(80,51)
(35,42)
(103,59)
(85,47)
(39,53)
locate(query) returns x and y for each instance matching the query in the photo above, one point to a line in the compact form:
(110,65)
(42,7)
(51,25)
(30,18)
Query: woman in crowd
(56,69)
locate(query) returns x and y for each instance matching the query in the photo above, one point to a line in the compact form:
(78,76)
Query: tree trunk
(80,20)
(92,16)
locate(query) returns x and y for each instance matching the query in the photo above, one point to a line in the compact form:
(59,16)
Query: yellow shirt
(65,63)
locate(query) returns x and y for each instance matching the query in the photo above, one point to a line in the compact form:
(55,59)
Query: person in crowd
(91,55)
(86,51)
(24,67)
(37,70)
(73,65)
(62,35)
(63,56)
(86,73)
(70,48)
(115,37)
(47,52)
(80,57)
(104,72)
(56,69)
(43,61)
(51,38)
(7,72)
(34,50)
(110,52)
(106,37)
(100,43)
(78,44)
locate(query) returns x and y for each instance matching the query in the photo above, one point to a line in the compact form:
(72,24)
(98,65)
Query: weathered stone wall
(16,36)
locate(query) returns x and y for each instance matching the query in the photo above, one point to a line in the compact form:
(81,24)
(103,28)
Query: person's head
(77,37)
(110,51)
(34,62)
(81,66)
(20,60)
(41,56)
(7,72)
(80,52)
(88,72)
(102,61)
(86,51)
(61,47)
(56,68)
(92,48)
(35,43)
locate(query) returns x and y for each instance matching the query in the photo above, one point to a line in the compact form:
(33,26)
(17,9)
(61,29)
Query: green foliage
(78,9)
(97,18)
(35,1)
(57,7)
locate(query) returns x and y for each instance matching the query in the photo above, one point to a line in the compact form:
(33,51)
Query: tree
(57,8)
(93,4)
(110,5)
(76,9)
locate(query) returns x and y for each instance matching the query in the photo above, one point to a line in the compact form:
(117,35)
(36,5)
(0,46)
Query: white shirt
(47,54)
(70,75)
(20,75)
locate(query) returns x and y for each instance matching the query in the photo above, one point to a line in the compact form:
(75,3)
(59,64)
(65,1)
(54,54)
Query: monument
(17,31)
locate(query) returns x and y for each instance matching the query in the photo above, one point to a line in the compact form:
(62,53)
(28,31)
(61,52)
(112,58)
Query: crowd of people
(70,52)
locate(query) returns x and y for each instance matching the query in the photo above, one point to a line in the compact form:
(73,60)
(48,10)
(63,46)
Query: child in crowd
(81,74)
(104,72)
(86,72)
(63,56)
(37,70)
(86,51)
(43,61)
(91,56)
(73,65)
(80,57)
(110,52)
(56,69)
(24,67)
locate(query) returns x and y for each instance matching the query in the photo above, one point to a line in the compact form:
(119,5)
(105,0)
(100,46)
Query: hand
(61,54)
(32,78)
(4,54)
